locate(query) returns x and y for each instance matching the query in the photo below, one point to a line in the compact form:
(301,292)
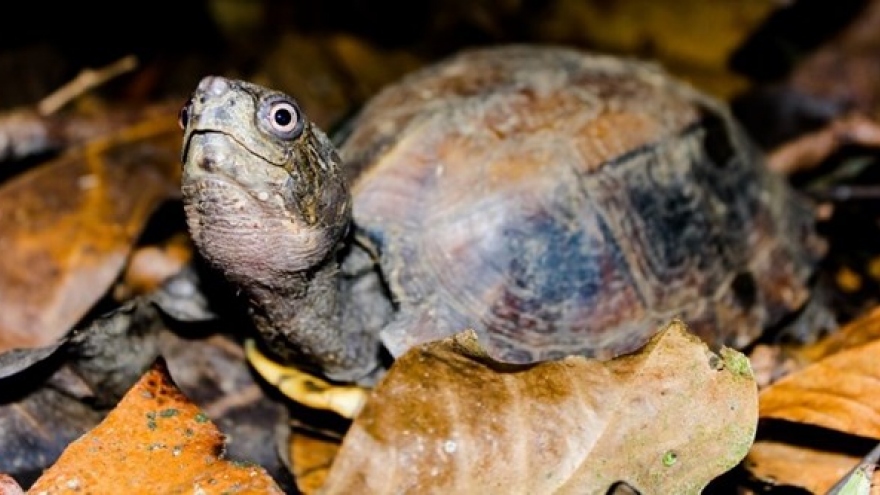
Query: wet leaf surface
(169,445)
(64,246)
(667,419)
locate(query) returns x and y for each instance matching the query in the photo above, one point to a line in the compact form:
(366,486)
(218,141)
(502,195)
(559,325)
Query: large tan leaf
(155,441)
(67,227)
(446,419)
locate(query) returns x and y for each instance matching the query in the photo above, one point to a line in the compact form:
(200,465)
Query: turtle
(556,201)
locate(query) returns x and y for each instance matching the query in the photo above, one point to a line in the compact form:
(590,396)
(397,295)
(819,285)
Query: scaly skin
(267,204)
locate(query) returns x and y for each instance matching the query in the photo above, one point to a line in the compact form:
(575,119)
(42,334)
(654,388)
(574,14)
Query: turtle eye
(284,119)
(183,115)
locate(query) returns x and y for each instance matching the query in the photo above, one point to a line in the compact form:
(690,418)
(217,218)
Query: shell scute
(560,202)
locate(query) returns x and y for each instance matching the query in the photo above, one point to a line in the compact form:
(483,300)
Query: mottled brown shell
(562,202)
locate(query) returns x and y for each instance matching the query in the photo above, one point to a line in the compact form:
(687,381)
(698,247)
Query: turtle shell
(563,202)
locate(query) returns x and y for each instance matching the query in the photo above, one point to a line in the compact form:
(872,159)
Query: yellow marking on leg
(304,388)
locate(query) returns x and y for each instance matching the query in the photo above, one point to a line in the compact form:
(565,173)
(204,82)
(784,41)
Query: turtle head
(263,191)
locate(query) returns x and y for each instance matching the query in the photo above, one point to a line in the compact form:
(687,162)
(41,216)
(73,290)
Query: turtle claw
(305,388)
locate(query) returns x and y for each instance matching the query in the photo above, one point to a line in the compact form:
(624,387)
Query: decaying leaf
(25,131)
(446,419)
(46,404)
(212,373)
(311,457)
(155,441)
(67,227)
(858,332)
(773,362)
(836,391)
(151,266)
(809,468)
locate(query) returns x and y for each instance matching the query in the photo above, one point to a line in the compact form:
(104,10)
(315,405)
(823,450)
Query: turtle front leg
(307,389)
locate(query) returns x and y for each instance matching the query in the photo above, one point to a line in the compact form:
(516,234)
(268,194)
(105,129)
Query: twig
(86,80)
(867,465)
(810,150)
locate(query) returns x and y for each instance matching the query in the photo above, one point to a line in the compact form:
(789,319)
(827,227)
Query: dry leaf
(667,419)
(812,469)
(155,441)
(311,457)
(67,227)
(212,372)
(773,362)
(837,391)
(151,266)
(857,332)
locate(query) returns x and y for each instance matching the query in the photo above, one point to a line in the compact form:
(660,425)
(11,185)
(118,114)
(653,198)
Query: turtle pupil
(283,118)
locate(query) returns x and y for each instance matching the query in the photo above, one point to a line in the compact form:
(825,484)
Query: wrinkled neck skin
(303,319)
(271,212)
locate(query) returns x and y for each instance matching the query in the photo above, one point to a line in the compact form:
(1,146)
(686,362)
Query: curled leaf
(667,419)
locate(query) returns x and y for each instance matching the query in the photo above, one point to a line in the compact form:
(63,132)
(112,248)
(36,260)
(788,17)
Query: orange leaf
(66,228)
(838,392)
(812,469)
(155,441)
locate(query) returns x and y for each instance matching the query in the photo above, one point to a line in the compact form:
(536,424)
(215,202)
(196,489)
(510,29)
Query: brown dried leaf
(155,441)
(212,372)
(311,457)
(857,332)
(838,392)
(812,469)
(669,418)
(151,266)
(67,227)
(773,362)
